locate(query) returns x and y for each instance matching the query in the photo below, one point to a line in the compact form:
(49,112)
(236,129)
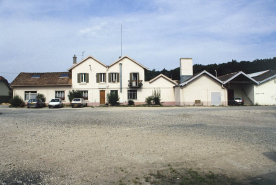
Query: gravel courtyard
(114,145)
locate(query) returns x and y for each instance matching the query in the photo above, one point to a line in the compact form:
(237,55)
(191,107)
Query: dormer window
(83,78)
(64,76)
(36,76)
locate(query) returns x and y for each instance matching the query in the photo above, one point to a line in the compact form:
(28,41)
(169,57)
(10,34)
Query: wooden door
(102,96)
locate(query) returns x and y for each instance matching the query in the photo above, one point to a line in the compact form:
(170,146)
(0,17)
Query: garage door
(216,98)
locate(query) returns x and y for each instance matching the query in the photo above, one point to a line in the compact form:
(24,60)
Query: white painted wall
(49,92)
(201,89)
(265,93)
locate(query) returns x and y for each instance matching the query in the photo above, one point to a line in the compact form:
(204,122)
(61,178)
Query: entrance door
(216,98)
(102,96)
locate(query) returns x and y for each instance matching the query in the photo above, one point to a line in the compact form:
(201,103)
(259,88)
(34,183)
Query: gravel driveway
(114,144)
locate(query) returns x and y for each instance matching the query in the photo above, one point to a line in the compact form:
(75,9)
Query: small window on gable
(64,76)
(36,76)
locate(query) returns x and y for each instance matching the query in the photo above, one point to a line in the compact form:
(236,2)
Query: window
(113,77)
(83,78)
(132,94)
(114,91)
(84,94)
(134,79)
(101,78)
(36,76)
(60,94)
(64,76)
(30,95)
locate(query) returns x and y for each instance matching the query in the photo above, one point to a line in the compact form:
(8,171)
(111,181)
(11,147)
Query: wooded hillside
(222,69)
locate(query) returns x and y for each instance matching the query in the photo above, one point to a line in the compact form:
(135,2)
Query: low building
(126,77)
(4,90)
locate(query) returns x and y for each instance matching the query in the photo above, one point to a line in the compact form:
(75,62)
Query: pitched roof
(162,76)
(263,77)
(257,73)
(198,75)
(120,59)
(45,79)
(75,65)
(228,77)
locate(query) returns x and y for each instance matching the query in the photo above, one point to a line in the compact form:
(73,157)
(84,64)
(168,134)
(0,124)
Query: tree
(74,94)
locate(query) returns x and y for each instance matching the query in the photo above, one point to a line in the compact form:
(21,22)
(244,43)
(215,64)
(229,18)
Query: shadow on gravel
(16,177)
(270,155)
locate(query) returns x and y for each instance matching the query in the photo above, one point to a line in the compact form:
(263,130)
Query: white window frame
(84,94)
(102,78)
(114,77)
(132,94)
(82,78)
(30,95)
(60,94)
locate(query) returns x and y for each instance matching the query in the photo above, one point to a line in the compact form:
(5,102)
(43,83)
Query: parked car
(78,102)
(57,102)
(35,103)
(236,101)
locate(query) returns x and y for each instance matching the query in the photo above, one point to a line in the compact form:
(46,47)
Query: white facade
(200,90)
(127,78)
(265,93)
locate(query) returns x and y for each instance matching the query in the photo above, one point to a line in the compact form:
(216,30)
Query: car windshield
(237,98)
(55,100)
(76,99)
(32,100)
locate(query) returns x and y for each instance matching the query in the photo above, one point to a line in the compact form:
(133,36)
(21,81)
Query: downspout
(120,64)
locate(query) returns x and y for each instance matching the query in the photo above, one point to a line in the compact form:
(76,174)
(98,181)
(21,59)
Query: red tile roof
(45,79)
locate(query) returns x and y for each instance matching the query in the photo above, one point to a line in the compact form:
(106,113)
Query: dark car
(35,103)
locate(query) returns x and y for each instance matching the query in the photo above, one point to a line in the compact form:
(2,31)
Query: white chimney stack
(186,69)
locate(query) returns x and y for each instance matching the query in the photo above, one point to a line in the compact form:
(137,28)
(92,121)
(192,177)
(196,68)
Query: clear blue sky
(43,35)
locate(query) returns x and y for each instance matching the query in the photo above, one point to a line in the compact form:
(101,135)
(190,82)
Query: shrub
(149,100)
(74,94)
(130,102)
(156,94)
(41,96)
(17,101)
(112,98)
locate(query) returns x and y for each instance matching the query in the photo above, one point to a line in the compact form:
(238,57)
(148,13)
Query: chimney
(74,59)
(186,69)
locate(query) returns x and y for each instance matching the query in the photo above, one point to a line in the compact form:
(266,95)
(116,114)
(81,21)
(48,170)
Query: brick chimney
(74,59)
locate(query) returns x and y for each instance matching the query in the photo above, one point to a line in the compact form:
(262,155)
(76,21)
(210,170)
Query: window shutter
(109,77)
(130,77)
(118,77)
(78,77)
(104,77)
(98,78)
(138,77)
(87,77)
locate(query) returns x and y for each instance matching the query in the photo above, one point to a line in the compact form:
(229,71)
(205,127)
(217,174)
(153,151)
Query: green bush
(41,97)
(17,101)
(155,97)
(130,102)
(149,100)
(112,98)
(74,94)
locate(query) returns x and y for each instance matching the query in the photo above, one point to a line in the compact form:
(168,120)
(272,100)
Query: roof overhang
(198,75)
(238,74)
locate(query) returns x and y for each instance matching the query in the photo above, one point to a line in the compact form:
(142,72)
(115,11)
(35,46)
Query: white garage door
(216,98)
